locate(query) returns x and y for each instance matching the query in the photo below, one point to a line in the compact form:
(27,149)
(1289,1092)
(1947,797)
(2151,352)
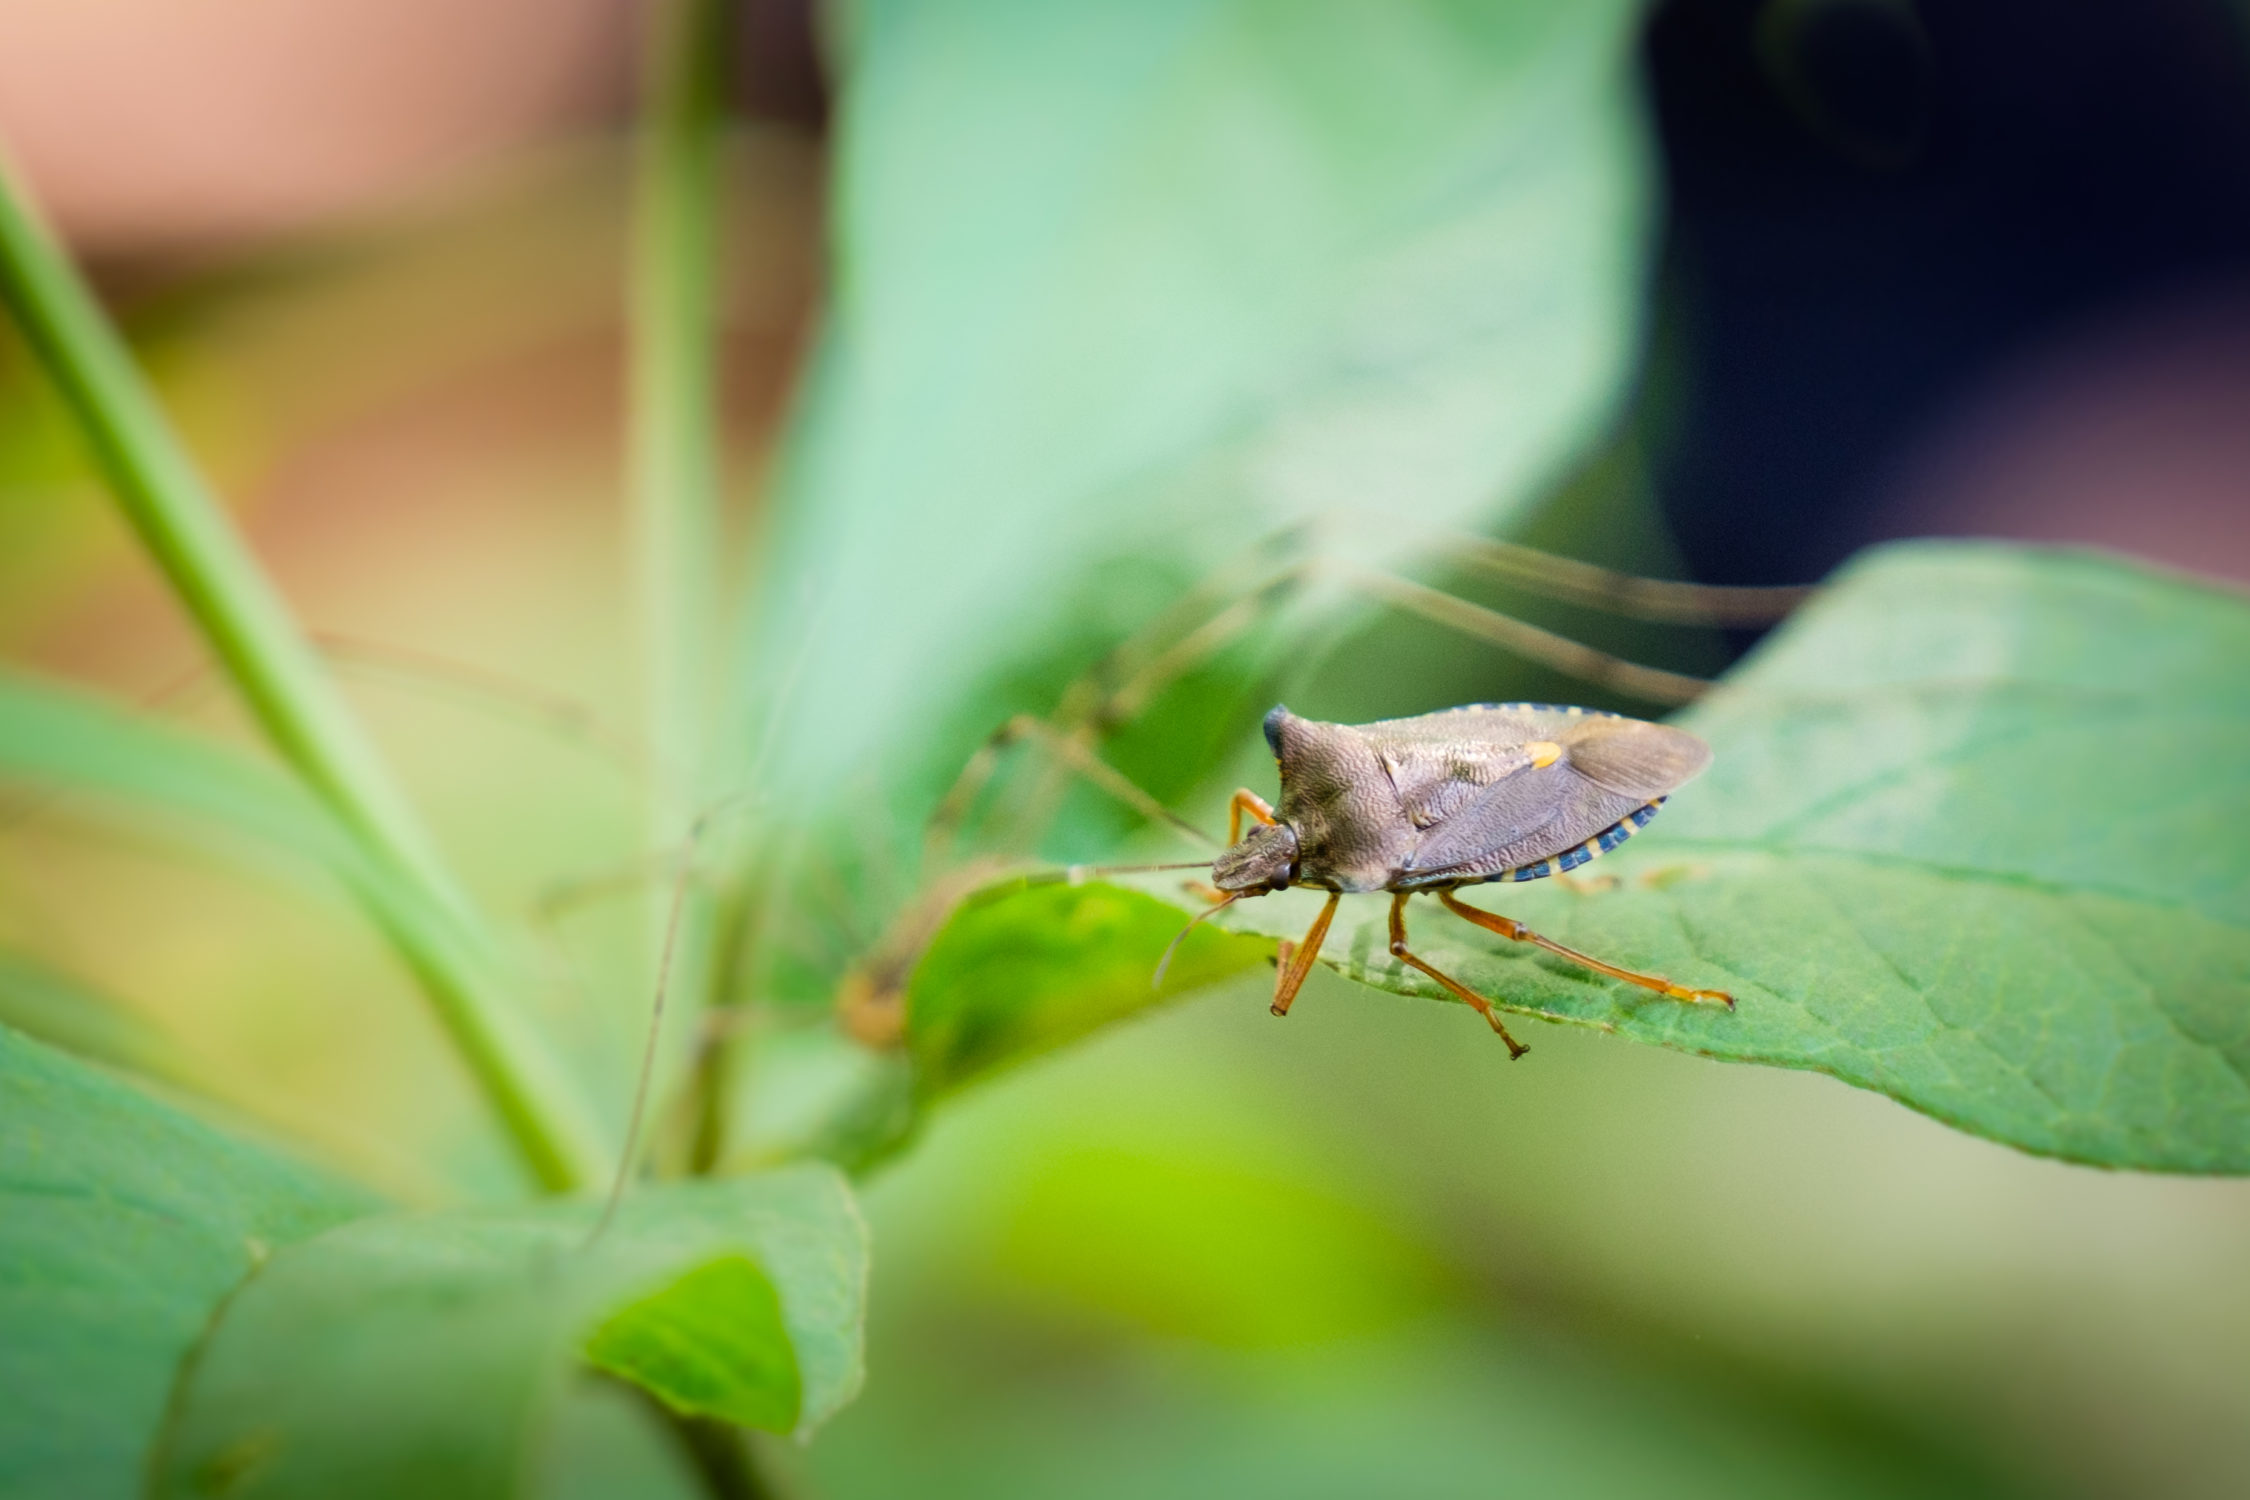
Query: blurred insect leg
(561,897)
(558,714)
(1136,688)
(1399,951)
(1664,600)
(1202,622)
(1298,960)
(1138,672)
(1530,642)
(1246,801)
(1508,928)
(1101,773)
(953,809)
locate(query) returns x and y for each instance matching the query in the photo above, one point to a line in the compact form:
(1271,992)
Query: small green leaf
(1972,838)
(1017,974)
(422,1354)
(123,1225)
(712,1344)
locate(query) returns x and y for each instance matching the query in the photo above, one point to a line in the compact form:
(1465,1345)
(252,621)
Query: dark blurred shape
(1857,72)
(2133,435)
(778,67)
(1824,316)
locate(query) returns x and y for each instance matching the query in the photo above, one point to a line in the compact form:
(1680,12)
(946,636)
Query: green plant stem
(672,420)
(267,657)
(672,440)
(722,1455)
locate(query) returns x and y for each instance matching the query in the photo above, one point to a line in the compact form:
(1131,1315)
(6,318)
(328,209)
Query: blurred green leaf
(1018,973)
(1377,270)
(712,1344)
(59,741)
(67,746)
(54,1008)
(1972,839)
(1183,1243)
(123,1225)
(420,1354)
(1430,1413)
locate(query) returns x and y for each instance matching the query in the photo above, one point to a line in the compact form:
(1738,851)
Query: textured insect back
(1338,796)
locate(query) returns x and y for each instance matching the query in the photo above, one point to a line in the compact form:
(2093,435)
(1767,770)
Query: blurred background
(1960,266)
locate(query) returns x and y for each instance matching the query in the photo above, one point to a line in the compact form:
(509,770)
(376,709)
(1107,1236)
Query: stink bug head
(1265,860)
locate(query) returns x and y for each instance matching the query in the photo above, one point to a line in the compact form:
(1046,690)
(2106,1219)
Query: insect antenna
(1157,981)
(1530,641)
(628,1157)
(1664,600)
(1080,874)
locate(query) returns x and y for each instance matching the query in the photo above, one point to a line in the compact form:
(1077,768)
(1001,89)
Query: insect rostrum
(1466,796)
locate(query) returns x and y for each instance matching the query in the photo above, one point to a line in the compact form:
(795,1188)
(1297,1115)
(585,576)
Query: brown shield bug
(1495,792)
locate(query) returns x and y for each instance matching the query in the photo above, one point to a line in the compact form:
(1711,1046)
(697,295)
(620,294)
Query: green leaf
(1376,268)
(123,1224)
(712,1344)
(1972,839)
(73,742)
(420,1354)
(65,741)
(56,1009)
(69,747)
(1018,973)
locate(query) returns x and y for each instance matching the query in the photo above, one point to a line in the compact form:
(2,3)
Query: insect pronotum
(1466,796)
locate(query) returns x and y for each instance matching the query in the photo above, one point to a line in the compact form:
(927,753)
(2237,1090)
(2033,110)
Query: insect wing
(1441,762)
(1435,781)
(1609,767)
(1633,758)
(1512,822)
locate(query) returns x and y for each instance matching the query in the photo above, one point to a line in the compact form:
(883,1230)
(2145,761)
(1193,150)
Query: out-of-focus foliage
(1379,274)
(422,1354)
(63,747)
(123,1223)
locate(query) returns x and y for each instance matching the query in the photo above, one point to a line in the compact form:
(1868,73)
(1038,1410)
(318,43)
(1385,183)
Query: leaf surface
(52,1007)
(1971,838)
(1379,273)
(420,1354)
(72,749)
(1022,974)
(60,741)
(123,1225)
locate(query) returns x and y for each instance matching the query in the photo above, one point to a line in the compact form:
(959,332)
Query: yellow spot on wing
(1543,753)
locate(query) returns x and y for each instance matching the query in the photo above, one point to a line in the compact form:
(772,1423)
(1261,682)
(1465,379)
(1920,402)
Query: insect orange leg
(1516,1049)
(1246,801)
(1297,959)
(1508,928)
